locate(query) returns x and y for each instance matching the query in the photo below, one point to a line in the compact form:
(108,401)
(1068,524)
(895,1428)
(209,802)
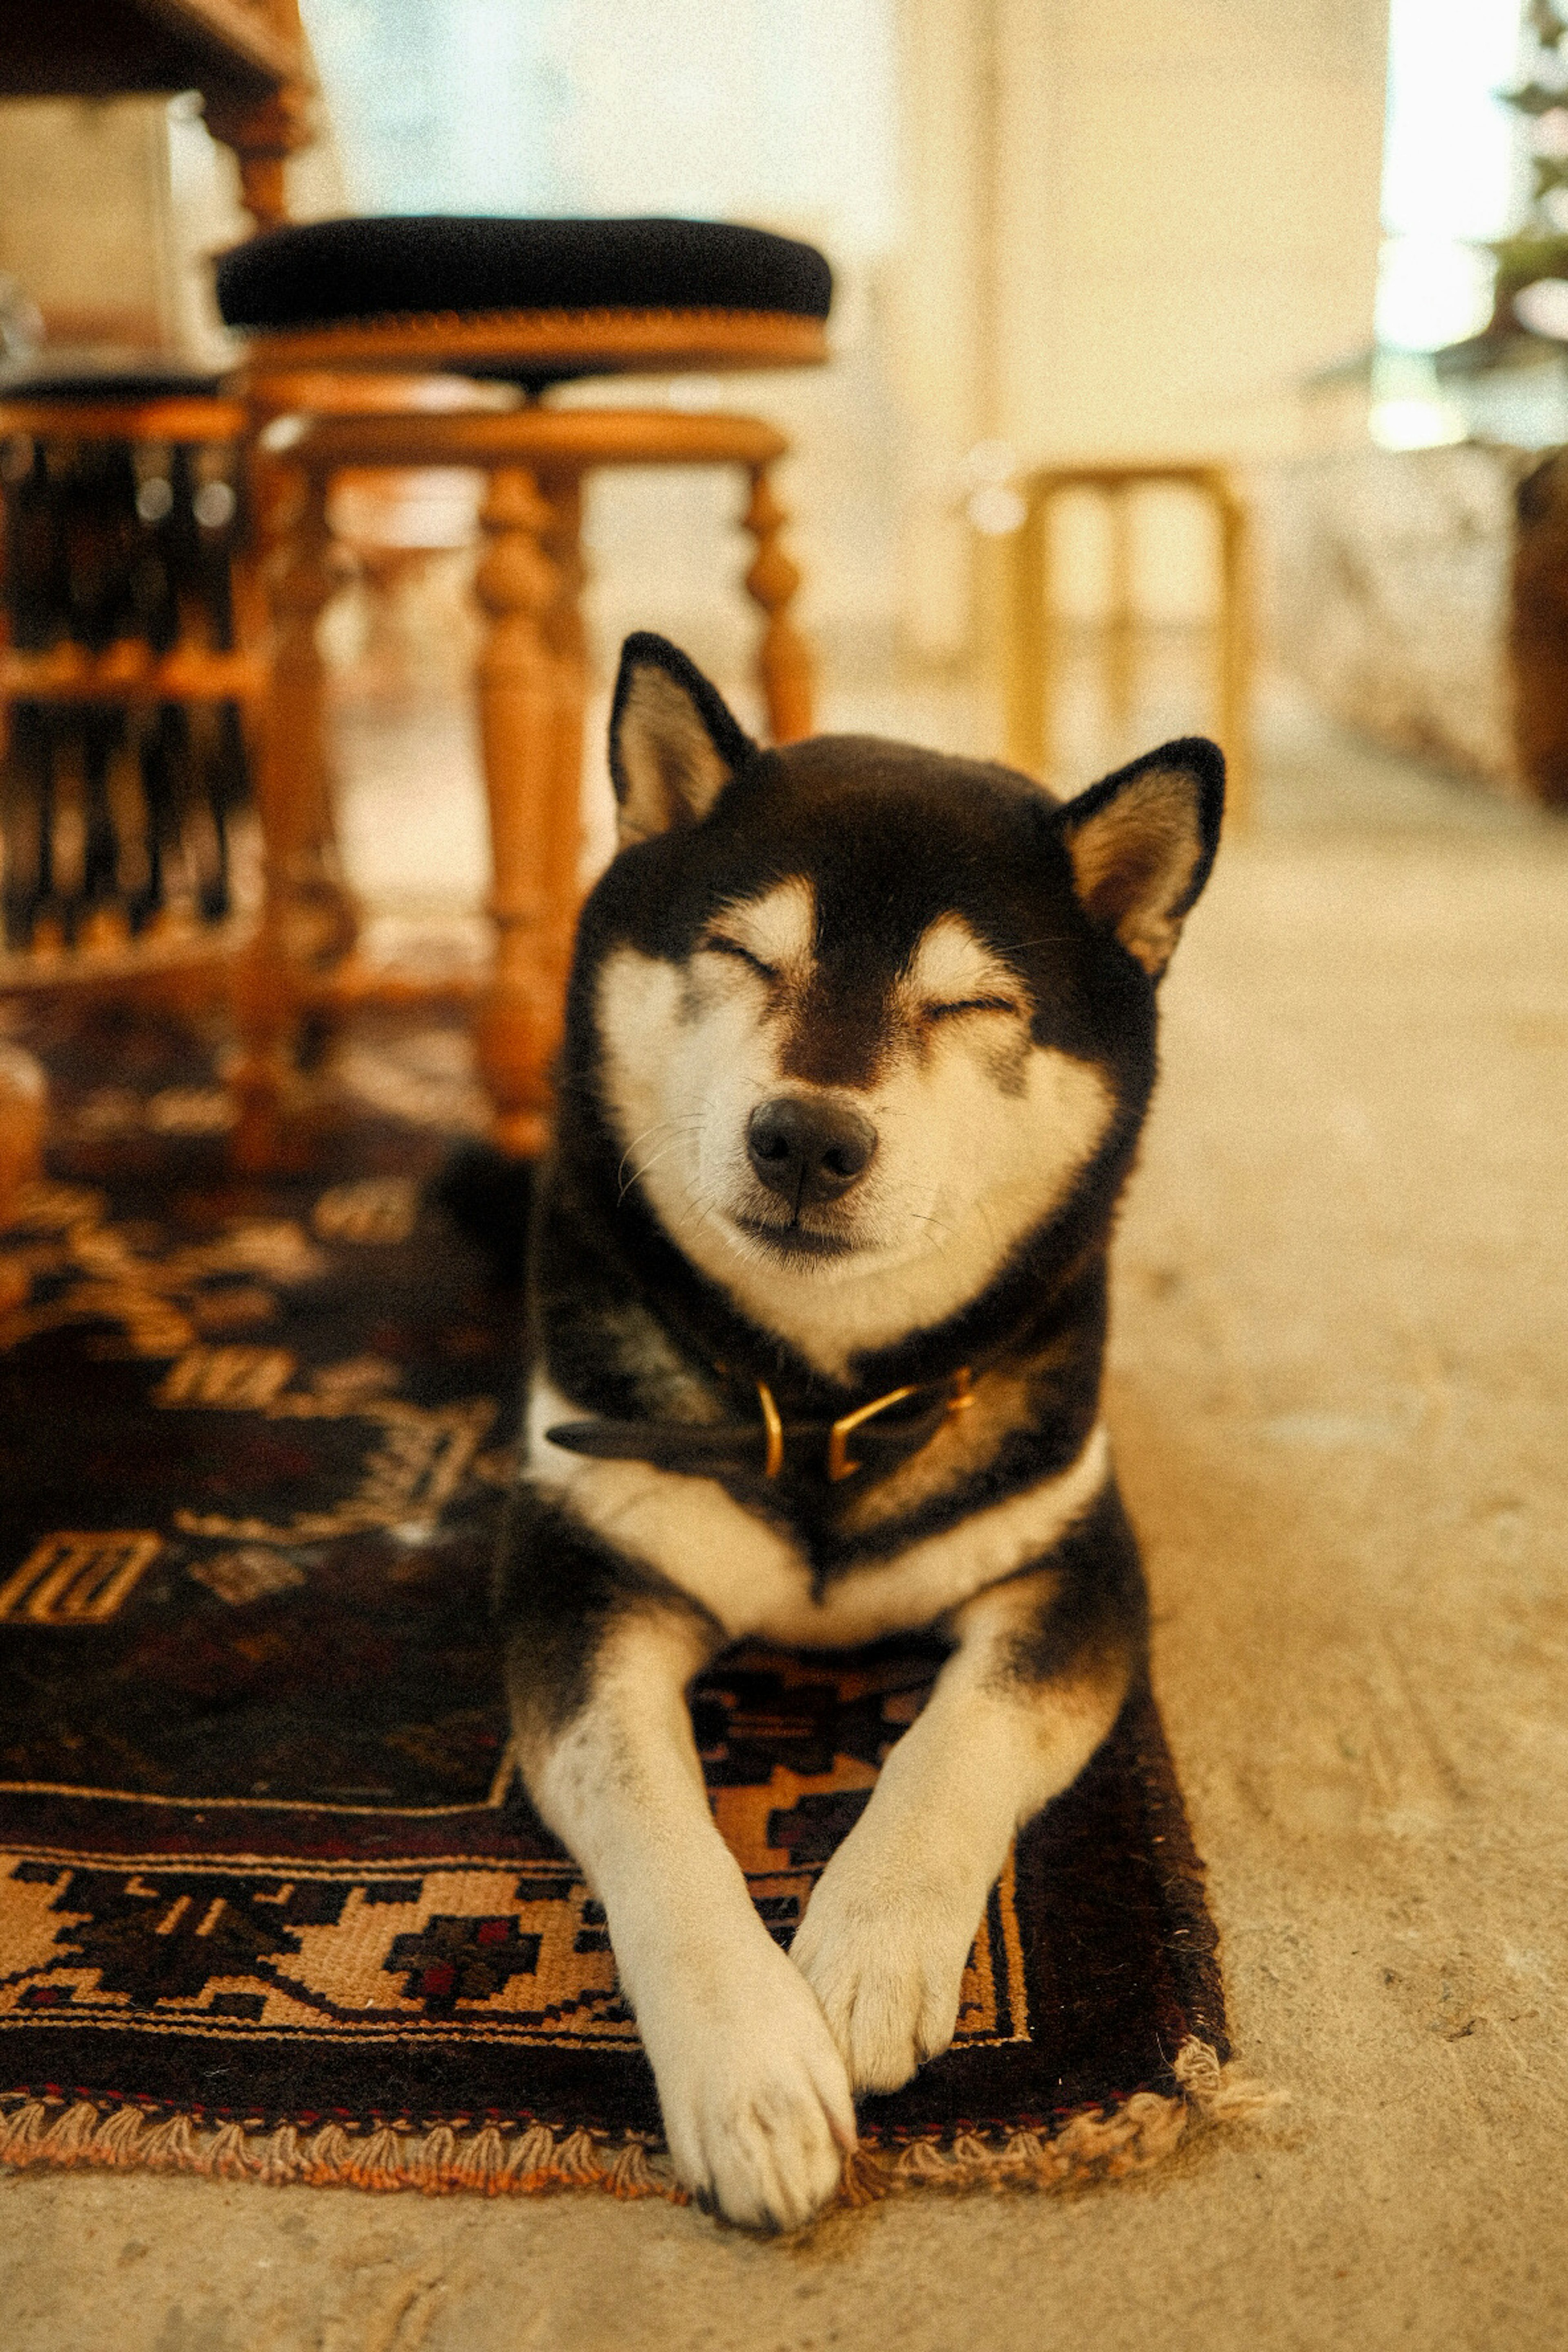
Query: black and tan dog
(859,1040)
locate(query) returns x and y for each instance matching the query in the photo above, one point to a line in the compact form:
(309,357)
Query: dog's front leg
(756,2104)
(1038,1677)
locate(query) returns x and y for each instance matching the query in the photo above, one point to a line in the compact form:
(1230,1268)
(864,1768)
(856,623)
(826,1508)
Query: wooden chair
(127,667)
(529,304)
(71,695)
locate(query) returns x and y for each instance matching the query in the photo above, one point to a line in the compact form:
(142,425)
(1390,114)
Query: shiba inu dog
(858,1042)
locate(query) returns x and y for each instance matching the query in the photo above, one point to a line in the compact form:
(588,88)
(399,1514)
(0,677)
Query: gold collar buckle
(839,1465)
(773,1462)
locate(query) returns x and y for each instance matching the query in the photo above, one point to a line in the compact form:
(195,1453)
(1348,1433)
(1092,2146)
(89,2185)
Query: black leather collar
(874,1439)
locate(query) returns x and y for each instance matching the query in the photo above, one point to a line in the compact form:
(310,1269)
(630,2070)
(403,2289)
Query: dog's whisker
(645,1168)
(655,1127)
(926,1217)
(681,1127)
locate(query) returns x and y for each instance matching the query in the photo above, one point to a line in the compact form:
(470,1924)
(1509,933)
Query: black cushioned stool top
(327,272)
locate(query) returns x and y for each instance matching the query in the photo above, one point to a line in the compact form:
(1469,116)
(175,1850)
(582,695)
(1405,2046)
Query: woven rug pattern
(272,1904)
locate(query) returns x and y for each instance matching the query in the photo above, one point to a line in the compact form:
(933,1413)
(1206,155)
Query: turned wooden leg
(1236,663)
(307,920)
(23,1106)
(264,132)
(784,665)
(262,137)
(530,697)
(1120,621)
(1029,679)
(567,639)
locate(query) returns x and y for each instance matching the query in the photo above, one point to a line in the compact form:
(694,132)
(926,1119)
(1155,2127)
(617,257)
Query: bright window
(1453,171)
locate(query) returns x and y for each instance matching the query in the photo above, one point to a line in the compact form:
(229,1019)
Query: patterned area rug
(272,1904)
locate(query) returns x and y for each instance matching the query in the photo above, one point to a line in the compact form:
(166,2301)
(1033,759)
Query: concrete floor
(1337,1394)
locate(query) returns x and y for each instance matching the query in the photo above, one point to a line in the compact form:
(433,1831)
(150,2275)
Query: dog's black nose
(808,1150)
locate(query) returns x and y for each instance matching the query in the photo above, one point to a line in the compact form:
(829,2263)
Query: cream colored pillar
(1133,227)
(1186,219)
(939,340)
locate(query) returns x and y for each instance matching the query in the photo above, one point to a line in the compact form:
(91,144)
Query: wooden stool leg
(530,694)
(307,919)
(1236,663)
(567,639)
(1028,680)
(783,663)
(263,135)
(1119,624)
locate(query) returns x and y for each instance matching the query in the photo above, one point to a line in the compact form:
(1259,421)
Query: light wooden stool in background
(1033,630)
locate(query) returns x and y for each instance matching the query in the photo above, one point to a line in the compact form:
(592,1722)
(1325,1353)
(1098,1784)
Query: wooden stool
(529,303)
(1032,656)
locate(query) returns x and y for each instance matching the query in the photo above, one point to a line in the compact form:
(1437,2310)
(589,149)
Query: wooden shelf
(200,417)
(130,673)
(186,962)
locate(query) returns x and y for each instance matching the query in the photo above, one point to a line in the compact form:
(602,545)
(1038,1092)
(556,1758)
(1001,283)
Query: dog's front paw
(757,2108)
(886,1966)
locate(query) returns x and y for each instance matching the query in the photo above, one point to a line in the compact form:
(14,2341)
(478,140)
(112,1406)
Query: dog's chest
(755,1579)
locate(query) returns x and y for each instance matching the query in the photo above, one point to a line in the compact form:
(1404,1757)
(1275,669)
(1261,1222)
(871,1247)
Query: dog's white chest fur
(749,1577)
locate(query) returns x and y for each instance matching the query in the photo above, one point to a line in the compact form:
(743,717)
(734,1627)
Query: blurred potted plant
(1532,285)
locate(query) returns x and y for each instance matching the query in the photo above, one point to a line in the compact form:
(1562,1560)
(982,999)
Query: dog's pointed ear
(1141,843)
(674,743)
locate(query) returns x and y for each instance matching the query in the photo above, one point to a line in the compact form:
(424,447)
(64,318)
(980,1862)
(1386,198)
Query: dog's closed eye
(969,1005)
(717,944)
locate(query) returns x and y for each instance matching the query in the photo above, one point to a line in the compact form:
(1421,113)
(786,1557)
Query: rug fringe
(377,2162)
(1098,2144)
(1218,2091)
